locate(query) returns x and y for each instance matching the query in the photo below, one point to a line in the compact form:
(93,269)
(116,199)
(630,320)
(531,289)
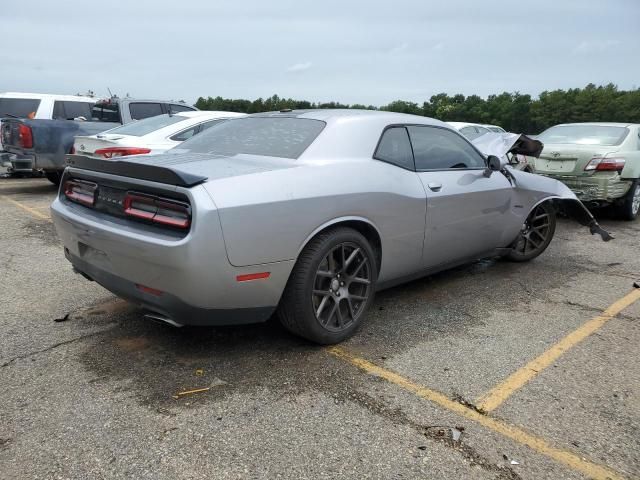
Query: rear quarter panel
(268,216)
(631,154)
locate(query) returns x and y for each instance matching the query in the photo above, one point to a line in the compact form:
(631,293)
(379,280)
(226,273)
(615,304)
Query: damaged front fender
(548,189)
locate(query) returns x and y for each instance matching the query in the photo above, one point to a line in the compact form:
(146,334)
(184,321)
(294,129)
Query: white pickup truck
(42,106)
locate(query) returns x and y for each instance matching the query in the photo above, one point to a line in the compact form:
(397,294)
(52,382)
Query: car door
(467,212)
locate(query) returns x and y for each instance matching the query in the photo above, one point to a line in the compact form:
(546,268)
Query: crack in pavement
(50,347)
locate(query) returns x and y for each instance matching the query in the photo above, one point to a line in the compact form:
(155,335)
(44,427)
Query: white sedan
(470,130)
(149,136)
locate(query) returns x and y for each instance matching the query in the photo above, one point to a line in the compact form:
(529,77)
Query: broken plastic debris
(512,462)
(63,319)
(452,433)
(199,372)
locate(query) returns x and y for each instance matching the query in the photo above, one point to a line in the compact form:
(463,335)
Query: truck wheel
(330,288)
(54,177)
(536,234)
(630,205)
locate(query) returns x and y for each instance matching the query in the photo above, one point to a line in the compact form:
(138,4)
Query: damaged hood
(499,144)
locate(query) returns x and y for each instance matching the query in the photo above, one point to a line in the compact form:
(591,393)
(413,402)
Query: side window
(58,110)
(468,131)
(173,108)
(185,134)
(395,148)
(440,149)
(144,110)
(209,124)
(77,109)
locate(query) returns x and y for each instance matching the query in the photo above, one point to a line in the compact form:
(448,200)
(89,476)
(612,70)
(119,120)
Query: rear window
(584,134)
(142,110)
(268,136)
(173,108)
(18,107)
(148,125)
(106,112)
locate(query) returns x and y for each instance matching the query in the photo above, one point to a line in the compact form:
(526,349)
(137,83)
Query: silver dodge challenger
(303,213)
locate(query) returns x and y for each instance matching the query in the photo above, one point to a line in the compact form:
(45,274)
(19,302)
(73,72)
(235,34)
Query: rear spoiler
(142,171)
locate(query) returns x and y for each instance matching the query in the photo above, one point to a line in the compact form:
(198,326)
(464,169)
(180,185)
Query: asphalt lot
(452,376)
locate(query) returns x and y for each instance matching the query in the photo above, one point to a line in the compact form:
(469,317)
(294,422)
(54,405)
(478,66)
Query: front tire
(536,234)
(630,206)
(330,288)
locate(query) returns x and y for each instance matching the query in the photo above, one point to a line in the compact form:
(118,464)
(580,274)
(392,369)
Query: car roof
(459,125)
(335,114)
(208,114)
(598,124)
(48,96)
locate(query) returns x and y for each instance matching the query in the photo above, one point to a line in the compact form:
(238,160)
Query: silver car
(303,213)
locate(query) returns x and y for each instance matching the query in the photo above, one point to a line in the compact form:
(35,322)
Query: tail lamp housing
(80,191)
(604,164)
(113,152)
(25,136)
(163,211)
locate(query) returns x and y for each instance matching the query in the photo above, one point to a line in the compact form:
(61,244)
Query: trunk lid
(184,169)
(87,145)
(569,159)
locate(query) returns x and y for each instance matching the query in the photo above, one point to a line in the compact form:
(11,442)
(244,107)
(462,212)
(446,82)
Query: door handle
(434,186)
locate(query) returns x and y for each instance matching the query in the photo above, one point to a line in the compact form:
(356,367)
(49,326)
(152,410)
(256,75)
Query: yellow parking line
(571,460)
(30,210)
(497,395)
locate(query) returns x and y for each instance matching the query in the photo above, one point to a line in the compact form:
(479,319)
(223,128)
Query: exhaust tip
(156,317)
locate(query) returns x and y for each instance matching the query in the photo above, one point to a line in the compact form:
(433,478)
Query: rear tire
(330,288)
(536,234)
(630,206)
(53,176)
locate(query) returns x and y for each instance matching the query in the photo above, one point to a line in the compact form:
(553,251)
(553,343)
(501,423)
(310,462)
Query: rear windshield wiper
(9,115)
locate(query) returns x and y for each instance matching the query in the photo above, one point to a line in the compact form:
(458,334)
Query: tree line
(515,112)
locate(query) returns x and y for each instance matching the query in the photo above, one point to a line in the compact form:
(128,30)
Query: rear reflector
(252,276)
(25,136)
(605,164)
(157,210)
(80,191)
(150,290)
(113,152)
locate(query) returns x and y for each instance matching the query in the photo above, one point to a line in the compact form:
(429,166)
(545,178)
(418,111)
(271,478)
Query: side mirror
(493,165)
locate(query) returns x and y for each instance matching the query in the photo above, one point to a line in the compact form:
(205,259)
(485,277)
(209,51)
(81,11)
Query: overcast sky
(351,51)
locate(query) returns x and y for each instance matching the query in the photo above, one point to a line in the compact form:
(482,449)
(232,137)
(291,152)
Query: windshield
(148,125)
(284,137)
(18,107)
(584,135)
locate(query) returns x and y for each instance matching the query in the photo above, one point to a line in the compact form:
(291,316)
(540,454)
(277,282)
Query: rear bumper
(198,285)
(167,305)
(595,188)
(22,163)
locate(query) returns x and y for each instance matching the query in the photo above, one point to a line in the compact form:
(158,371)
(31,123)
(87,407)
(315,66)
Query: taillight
(81,192)
(601,164)
(157,210)
(25,136)
(112,152)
